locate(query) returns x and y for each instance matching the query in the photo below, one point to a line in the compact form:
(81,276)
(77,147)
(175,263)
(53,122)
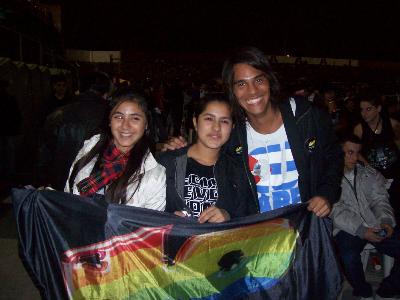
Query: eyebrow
(212,115)
(134,114)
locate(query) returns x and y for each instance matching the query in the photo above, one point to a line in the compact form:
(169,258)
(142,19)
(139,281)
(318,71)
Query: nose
(364,114)
(125,123)
(216,126)
(252,88)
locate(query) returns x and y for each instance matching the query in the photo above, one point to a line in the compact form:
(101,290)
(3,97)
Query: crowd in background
(171,96)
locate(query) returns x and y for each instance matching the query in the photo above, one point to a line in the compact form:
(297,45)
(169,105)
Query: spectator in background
(329,102)
(350,111)
(68,127)
(393,107)
(60,95)
(380,135)
(363,215)
(174,96)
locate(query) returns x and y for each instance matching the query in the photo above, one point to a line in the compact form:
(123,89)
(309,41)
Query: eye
(226,121)
(240,84)
(118,117)
(260,80)
(208,118)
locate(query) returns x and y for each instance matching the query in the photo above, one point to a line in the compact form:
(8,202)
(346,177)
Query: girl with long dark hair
(202,181)
(118,162)
(380,135)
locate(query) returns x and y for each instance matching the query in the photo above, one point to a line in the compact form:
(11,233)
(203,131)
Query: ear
(379,108)
(194,123)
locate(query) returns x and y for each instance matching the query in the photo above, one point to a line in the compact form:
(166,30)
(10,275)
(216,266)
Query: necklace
(377,125)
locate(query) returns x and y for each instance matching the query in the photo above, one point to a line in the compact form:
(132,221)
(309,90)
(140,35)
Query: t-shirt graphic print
(272,165)
(200,190)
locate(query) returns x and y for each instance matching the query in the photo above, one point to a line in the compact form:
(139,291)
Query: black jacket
(233,196)
(318,156)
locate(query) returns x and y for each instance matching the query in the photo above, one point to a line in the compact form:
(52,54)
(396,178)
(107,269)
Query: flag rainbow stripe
(206,266)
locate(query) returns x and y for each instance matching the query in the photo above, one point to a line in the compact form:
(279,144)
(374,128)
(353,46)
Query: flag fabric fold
(83,248)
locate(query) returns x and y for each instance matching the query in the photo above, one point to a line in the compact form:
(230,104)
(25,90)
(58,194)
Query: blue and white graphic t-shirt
(272,165)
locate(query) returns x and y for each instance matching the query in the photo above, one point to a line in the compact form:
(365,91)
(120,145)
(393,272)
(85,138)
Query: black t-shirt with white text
(200,190)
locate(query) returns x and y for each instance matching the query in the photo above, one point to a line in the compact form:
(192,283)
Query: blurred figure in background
(363,215)
(379,135)
(69,126)
(60,94)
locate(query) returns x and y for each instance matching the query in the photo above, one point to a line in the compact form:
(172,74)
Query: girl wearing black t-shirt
(202,182)
(379,135)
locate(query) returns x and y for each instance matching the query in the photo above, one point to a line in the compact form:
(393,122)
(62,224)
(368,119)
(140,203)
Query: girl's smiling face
(128,123)
(214,125)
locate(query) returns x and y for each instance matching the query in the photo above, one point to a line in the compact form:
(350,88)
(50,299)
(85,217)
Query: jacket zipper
(185,207)
(354,189)
(246,167)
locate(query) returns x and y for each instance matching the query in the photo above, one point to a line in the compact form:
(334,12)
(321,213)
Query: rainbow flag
(88,249)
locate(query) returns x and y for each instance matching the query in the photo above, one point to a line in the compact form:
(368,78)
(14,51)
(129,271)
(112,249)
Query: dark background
(348,29)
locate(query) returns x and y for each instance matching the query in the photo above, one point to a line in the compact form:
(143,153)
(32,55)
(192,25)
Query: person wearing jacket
(118,162)
(364,215)
(287,147)
(201,181)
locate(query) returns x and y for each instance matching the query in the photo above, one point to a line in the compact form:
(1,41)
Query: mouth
(125,134)
(214,136)
(254,101)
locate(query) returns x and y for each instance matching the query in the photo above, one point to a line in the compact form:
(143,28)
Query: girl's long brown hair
(117,191)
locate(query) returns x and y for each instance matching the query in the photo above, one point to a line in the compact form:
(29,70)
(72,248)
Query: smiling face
(251,88)
(128,123)
(369,112)
(213,125)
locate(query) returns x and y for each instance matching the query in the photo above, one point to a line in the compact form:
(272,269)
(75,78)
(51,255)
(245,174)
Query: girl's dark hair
(369,95)
(116,192)
(258,60)
(202,103)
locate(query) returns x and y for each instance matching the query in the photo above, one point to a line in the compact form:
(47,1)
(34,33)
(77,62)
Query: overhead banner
(82,248)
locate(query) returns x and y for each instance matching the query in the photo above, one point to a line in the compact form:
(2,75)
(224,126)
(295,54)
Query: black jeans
(351,246)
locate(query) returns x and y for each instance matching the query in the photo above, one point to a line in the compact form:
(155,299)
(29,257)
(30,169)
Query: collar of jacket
(148,163)
(293,133)
(180,170)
